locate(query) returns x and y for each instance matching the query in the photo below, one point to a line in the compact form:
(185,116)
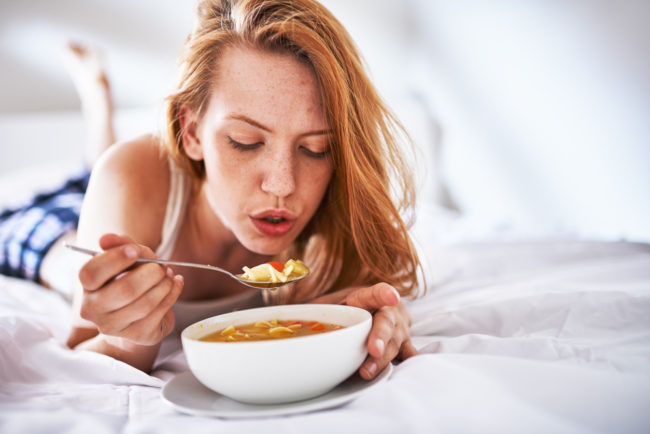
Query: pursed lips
(273,222)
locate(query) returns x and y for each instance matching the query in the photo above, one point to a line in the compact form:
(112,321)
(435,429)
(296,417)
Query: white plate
(187,395)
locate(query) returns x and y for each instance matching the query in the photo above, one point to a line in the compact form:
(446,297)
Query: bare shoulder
(128,192)
(140,163)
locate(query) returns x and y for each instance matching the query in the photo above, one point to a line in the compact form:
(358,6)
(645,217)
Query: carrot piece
(277,265)
(287,324)
(318,326)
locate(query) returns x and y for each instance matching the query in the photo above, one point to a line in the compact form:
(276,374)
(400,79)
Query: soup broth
(266,330)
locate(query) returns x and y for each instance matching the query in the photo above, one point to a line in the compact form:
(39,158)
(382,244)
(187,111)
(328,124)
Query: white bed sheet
(538,336)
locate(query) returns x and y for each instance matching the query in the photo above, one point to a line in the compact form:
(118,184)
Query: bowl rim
(366,317)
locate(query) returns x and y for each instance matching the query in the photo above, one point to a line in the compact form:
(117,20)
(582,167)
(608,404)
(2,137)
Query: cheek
(229,180)
(315,182)
(226,166)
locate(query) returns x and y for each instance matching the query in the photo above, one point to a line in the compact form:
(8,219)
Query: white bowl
(279,370)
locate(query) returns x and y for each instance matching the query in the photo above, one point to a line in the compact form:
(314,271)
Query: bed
(515,335)
(518,331)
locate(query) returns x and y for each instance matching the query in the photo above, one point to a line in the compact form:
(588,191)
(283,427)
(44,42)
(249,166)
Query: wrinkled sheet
(538,336)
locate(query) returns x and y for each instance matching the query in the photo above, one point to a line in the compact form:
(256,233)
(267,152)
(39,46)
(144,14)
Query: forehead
(269,86)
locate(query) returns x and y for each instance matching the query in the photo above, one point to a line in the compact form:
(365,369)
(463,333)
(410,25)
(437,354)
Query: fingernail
(380,346)
(170,272)
(180,278)
(396,294)
(130,252)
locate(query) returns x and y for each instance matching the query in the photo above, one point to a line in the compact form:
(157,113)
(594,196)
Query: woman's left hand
(389,337)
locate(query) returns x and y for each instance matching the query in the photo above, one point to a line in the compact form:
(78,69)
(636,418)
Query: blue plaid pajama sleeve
(27,233)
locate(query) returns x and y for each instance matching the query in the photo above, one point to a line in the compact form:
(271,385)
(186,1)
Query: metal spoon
(237,277)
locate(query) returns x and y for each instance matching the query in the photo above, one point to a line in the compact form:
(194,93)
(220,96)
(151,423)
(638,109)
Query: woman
(276,146)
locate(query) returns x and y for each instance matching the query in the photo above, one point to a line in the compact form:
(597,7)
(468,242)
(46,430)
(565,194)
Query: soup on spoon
(275,272)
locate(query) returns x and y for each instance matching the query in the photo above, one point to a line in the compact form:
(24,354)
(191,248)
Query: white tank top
(180,189)
(189,312)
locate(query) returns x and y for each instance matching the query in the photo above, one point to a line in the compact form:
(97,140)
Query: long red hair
(359,234)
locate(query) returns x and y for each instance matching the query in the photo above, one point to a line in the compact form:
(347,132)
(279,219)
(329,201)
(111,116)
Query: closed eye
(313,154)
(244,146)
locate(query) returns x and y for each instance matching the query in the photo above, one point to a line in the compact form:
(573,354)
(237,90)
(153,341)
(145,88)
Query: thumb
(372,298)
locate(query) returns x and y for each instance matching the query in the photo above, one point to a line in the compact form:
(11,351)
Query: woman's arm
(123,308)
(389,337)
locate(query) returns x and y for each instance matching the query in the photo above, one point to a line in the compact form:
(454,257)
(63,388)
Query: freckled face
(265,144)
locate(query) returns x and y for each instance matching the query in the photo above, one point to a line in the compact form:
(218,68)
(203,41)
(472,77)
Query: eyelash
(253,146)
(244,146)
(312,154)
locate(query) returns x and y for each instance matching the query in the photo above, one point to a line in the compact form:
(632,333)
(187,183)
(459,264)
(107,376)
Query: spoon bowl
(237,277)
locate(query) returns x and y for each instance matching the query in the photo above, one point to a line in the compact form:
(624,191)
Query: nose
(279,174)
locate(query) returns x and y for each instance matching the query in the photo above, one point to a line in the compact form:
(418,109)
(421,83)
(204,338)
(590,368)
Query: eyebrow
(256,124)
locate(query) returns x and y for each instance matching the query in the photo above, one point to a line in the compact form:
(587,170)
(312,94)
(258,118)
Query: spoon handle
(185,264)
(257,285)
(81,249)
(156,261)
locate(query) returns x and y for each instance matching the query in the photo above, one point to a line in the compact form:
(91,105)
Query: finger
(119,254)
(404,314)
(387,338)
(393,350)
(114,323)
(154,327)
(369,369)
(132,288)
(133,285)
(106,265)
(160,323)
(373,297)
(407,350)
(384,341)
(382,331)
(121,291)
(374,365)
(98,305)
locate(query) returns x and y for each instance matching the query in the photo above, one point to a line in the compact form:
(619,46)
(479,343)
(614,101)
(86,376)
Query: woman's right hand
(126,299)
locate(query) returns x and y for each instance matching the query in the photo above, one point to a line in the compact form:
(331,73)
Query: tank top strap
(180,188)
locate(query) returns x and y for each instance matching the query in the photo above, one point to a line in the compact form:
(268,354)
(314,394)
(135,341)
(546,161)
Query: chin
(266,245)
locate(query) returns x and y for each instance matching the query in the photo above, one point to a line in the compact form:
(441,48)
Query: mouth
(274,219)
(273,222)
